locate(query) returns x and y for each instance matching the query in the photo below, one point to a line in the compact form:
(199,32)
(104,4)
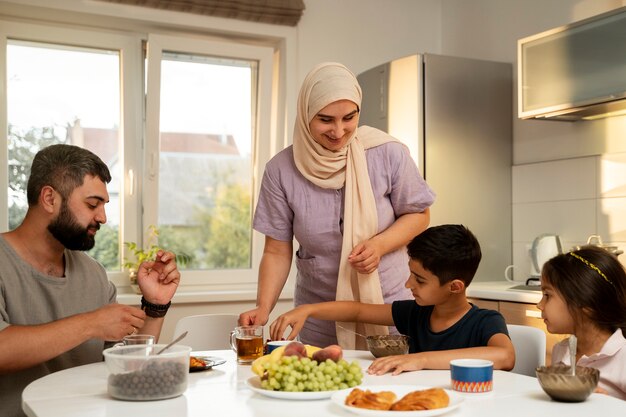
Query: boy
(441,323)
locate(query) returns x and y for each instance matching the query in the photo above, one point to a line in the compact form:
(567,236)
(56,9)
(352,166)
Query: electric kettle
(544,247)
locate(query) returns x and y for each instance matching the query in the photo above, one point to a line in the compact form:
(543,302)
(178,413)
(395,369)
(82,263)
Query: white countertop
(489,290)
(500,291)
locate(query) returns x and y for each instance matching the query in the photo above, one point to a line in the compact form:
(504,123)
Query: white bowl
(136,373)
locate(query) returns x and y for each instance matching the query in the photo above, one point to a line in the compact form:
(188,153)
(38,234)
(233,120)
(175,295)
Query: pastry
(422,400)
(370,400)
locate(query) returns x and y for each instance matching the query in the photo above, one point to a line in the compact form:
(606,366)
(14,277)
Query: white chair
(207,331)
(530,348)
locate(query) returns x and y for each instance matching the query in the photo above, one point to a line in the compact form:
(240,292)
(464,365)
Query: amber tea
(249,348)
(247,341)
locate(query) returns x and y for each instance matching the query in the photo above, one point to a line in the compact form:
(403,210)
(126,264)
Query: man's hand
(158,279)
(114,321)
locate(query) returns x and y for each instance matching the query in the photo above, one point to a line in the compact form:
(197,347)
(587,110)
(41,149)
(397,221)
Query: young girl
(584,294)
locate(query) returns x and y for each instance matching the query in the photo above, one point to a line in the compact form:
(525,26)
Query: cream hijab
(325,84)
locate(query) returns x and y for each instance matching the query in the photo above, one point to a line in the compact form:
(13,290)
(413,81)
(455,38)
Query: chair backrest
(530,348)
(207,331)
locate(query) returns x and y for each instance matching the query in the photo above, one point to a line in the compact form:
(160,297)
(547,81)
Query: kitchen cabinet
(521,313)
(575,71)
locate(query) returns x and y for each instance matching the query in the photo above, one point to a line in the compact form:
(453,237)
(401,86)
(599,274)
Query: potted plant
(140,255)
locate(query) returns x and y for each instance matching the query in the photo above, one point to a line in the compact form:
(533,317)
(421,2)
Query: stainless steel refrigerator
(455,115)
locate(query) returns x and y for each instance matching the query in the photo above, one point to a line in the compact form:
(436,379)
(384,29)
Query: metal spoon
(572,354)
(172,343)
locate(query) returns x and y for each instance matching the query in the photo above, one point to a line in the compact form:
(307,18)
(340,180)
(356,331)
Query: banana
(277,354)
(258,366)
(310,350)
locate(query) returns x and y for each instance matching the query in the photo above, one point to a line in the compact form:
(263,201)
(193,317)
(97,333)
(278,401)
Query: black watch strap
(154,310)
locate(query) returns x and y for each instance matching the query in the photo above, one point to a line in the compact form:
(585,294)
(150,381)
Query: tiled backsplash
(574,198)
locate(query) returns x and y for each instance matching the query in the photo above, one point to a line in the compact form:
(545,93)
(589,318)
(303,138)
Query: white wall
(364,33)
(567,177)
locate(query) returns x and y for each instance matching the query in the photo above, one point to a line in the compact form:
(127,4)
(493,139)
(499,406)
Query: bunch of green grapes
(293,374)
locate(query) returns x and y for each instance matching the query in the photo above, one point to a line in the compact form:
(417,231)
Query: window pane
(205,177)
(61,94)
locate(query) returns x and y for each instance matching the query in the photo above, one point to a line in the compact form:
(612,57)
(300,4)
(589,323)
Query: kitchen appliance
(455,116)
(544,248)
(575,71)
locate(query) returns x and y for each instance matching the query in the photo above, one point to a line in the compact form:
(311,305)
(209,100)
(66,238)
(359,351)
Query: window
(179,127)
(63,94)
(205,165)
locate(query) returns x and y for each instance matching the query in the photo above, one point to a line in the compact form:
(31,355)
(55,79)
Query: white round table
(222,391)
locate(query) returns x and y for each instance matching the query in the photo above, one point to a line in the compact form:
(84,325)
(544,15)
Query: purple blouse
(289,205)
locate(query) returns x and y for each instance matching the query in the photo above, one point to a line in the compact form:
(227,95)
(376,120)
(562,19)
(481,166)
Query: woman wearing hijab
(352,197)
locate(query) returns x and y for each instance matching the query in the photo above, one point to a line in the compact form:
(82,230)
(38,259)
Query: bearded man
(57,307)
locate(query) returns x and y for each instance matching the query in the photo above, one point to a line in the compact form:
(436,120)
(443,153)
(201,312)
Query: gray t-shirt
(28,297)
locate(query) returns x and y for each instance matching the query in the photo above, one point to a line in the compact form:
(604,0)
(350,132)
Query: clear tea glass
(137,339)
(247,342)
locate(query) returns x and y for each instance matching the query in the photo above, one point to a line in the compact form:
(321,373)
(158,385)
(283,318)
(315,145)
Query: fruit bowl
(560,385)
(388,345)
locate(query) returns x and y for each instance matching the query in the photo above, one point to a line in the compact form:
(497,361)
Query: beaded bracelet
(154,310)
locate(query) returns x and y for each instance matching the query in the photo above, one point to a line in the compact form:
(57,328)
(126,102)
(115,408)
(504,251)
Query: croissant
(422,400)
(370,400)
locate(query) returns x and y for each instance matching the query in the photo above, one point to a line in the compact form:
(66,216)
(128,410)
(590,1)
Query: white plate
(339,398)
(254,383)
(210,362)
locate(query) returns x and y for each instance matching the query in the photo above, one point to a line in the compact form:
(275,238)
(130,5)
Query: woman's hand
(398,364)
(365,257)
(158,279)
(256,317)
(294,319)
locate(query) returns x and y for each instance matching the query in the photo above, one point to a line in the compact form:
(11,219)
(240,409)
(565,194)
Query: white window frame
(157,44)
(130,50)
(106,20)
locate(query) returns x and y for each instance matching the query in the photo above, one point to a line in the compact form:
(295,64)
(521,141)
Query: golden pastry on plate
(370,400)
(427,399)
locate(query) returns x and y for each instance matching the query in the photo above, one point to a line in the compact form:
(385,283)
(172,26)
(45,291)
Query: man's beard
(73,236)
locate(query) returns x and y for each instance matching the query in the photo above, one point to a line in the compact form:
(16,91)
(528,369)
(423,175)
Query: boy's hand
(398,363)
(294,318)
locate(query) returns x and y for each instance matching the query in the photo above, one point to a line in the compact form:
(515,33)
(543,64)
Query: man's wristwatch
(154,310)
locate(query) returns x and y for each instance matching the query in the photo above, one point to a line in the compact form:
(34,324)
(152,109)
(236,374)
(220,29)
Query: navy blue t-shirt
(474,329)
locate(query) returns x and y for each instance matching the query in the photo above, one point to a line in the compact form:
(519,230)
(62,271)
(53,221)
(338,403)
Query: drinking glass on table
(247,342)
(137,339)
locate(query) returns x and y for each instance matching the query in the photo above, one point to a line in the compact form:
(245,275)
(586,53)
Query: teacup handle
(233,345)
(506,273)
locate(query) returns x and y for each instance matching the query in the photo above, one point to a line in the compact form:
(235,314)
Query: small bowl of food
(137,373)
(558,382)
(388,345)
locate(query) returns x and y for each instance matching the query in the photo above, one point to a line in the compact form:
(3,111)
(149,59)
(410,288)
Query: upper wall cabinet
(576,71)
